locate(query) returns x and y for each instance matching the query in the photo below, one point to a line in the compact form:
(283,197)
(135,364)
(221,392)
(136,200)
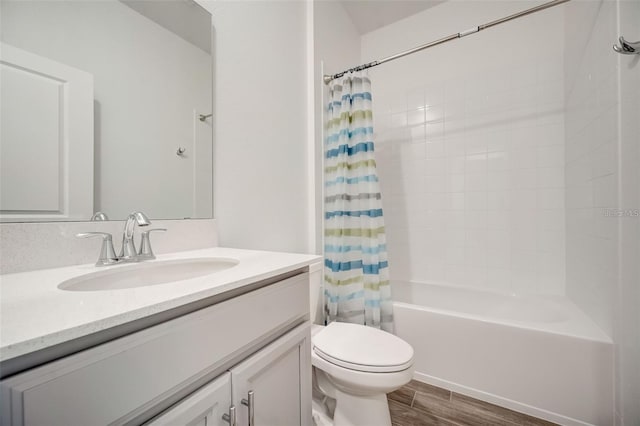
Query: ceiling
(369,15)
(185,18)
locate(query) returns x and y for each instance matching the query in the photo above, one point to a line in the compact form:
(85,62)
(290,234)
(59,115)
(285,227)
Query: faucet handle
(97,216)
(107,253)
(146,253)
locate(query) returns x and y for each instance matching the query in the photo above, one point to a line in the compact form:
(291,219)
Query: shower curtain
(356,286)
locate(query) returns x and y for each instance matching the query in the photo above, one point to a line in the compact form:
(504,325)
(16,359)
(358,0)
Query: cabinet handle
(231,416)
(250,406)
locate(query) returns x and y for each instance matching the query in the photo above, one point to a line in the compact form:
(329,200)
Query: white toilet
(357,366)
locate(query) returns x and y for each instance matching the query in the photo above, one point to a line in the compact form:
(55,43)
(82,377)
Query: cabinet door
(204,407)
(279,376)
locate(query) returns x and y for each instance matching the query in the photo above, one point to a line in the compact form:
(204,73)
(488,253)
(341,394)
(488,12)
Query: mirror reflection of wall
(145,69)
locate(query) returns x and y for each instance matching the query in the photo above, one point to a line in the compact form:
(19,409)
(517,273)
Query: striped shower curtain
(356,286)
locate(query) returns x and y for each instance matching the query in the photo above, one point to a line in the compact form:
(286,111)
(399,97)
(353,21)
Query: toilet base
(356,410)
(320,414)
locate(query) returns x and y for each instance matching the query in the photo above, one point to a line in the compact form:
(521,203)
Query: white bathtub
(538,355)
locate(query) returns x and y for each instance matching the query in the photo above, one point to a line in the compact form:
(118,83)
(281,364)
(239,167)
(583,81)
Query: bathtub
(537,355)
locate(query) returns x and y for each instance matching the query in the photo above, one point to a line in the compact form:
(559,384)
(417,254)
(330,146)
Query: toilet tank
(315,293)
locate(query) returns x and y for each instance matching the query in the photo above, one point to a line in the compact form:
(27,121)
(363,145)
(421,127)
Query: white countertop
(35,314)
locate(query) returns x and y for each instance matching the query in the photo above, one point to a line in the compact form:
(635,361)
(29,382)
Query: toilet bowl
(357,366)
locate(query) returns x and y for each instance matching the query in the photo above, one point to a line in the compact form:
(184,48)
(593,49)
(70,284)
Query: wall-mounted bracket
(627,47)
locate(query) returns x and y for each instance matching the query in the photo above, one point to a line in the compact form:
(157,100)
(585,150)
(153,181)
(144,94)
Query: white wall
(138,127)
(260,124)
(336,47)
(470,147)
(603,158)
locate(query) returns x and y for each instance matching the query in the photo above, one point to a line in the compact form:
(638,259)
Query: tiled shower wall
(470,148)
(603,183)
(592,159)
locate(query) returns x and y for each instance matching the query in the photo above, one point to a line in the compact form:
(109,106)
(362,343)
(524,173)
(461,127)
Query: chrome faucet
(128,251)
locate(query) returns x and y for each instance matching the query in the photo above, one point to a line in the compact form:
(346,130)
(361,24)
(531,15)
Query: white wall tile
(455,182)
(498,181)
(434,129)
(415,117)
(398,102)
(591,161)
(499,258)
(454,144)
(551,156)
(434,166)
(399,119)
(492,170)
(523,178)
(435,148)
(415,99)
(498,200)
(476,163)
(550,177)
(475,200)
(475,182)
(550,198)
(498,219)
(417,133)
(626,313)
(434,114)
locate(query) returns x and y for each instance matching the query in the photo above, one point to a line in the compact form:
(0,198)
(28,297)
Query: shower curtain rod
(329,78)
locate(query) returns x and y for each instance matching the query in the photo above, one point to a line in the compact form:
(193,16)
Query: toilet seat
(360,348)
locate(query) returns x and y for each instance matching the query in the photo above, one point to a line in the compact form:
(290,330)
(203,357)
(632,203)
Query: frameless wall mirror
(105,107)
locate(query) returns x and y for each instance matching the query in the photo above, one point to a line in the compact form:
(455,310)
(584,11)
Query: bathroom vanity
(228,348)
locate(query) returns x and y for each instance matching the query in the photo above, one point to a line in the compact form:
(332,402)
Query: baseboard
(498,400)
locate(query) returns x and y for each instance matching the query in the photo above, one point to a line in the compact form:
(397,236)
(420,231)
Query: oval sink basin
(147,274)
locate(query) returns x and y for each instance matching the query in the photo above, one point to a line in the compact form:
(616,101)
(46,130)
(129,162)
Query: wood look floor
(419,404)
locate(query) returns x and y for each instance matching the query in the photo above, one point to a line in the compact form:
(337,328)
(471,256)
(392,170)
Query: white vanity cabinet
(188,370)
(266,387)
(205,407)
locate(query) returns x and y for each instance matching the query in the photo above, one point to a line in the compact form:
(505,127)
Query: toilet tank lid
(360,345)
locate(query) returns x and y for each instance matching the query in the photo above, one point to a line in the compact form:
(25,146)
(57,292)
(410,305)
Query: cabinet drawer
(104,384)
